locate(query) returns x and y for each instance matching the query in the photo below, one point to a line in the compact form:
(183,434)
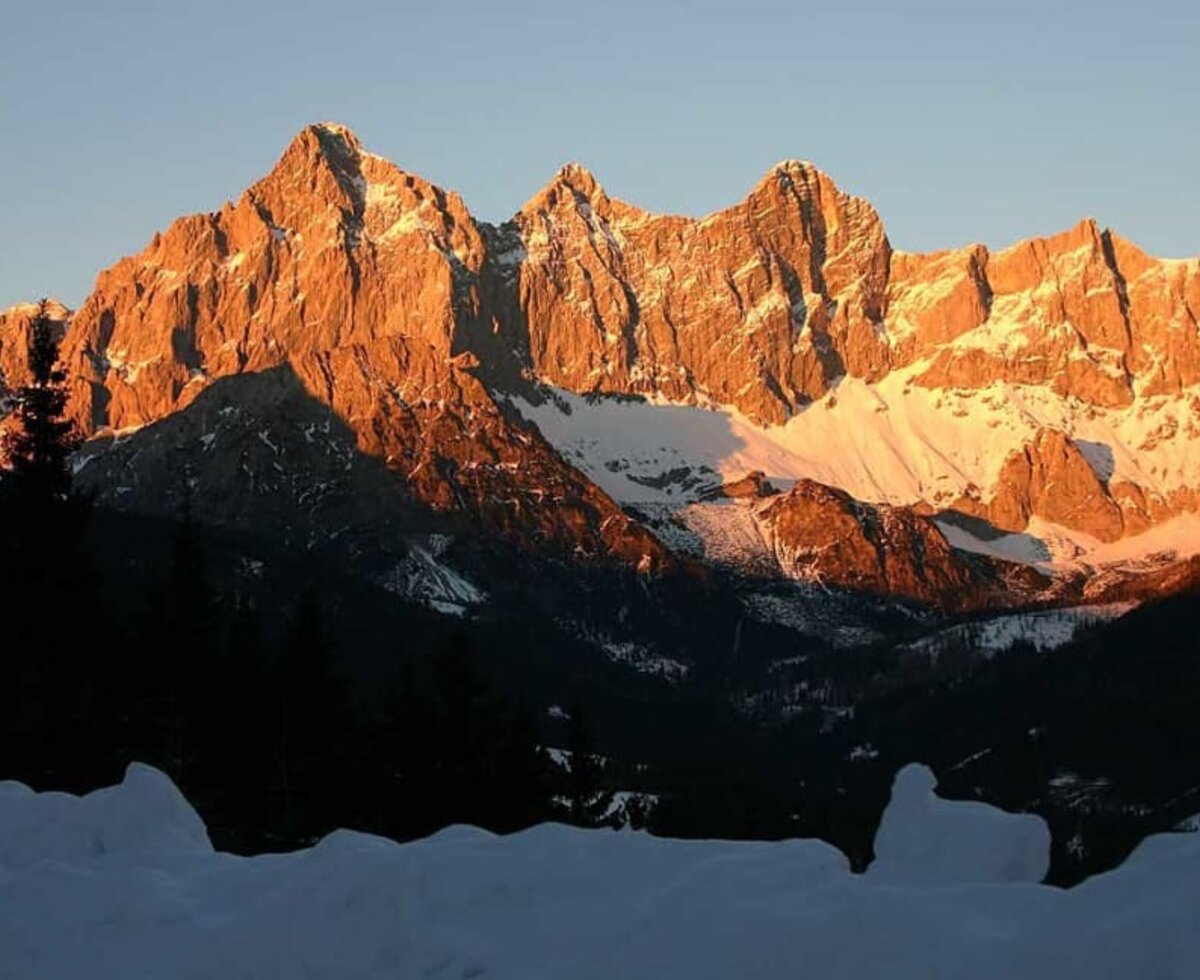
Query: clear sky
(960,124)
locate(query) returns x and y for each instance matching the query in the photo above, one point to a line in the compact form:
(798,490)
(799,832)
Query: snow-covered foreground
(123,883)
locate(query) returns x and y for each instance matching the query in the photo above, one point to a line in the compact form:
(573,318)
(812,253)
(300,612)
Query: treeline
(255,721)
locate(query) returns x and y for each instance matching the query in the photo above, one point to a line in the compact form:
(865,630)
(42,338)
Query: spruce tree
(403,757)
(522,794)
(169,678)
(310,727)
(588,800)
(50,732)
(188,652)
(37,449)
(450,748)
(463,705)
(232,733)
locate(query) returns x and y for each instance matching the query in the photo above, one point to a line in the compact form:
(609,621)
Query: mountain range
(770,401)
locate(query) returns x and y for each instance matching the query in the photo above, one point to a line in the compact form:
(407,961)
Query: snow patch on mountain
(1045,629)
(645,660)
(424,577)
(639,656)
(1053,546)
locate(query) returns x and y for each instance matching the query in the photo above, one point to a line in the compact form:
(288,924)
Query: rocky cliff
(764,305)
(364,282)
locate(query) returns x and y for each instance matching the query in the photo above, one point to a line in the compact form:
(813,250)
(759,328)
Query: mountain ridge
(417,325)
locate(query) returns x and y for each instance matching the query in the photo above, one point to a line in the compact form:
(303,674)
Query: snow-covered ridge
(1045,629)
(953,893)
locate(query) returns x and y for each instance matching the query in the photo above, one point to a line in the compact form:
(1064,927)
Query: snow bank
(926,840)
(128,872)
(143,817)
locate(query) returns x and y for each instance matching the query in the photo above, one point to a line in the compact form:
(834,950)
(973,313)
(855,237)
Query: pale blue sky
(960,125)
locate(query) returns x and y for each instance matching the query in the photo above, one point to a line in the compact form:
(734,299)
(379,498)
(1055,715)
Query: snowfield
(889,442)
(123,883)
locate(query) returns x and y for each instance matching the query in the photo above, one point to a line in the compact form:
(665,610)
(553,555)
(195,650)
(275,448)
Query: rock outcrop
(752,486)
(823,535)
(1051,478)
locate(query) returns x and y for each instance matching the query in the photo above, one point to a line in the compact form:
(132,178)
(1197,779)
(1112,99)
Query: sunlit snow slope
(887,442)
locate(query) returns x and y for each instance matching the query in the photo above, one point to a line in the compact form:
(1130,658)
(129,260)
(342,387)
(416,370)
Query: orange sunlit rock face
(760,306)
(362,278)
(406,316)
(828,536)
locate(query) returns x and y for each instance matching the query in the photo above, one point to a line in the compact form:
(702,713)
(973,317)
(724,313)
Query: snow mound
(129,870)
(926,840)
(141,818)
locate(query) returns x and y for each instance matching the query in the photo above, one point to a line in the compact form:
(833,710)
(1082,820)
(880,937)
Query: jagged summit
(325,139)
(803,176)
(574,172)
(582,181)
(792,169)
(572,184)
(794,163)
(322,138)
(337,130)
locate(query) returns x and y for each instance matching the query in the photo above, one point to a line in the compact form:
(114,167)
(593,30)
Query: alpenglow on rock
(1050,389)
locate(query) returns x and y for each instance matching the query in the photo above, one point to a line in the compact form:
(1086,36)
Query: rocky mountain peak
(573,197)
(801,185)
(330,142)
(318,179)
(337,131)
(577,177)
(793,176)
(819,533)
